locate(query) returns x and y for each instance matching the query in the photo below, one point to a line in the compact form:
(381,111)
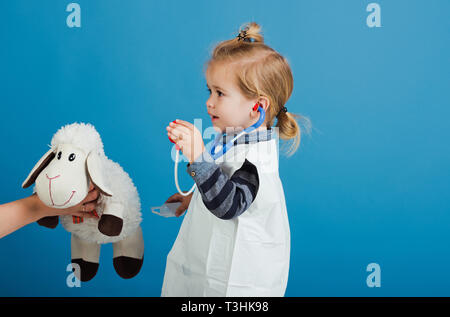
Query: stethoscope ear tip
(257,107)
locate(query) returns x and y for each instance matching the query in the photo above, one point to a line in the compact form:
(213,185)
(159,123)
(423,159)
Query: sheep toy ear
(94,168)
(37,169)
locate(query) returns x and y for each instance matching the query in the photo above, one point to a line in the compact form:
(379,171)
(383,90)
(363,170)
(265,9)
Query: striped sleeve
(226,197)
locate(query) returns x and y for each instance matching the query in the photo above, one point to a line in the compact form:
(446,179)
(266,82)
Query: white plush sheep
(63,176)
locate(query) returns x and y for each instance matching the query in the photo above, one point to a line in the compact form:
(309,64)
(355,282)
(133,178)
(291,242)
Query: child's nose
(209,101)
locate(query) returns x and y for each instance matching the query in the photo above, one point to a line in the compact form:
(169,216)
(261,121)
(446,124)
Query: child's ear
(261,102)
(264,102)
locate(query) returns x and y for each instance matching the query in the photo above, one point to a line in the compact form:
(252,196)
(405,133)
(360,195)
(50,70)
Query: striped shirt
(228,197)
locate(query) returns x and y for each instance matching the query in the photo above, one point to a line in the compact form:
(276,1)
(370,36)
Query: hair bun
(250,32)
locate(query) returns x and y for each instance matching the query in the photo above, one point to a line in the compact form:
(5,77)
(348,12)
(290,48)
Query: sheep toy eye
(59,155)
(71,157)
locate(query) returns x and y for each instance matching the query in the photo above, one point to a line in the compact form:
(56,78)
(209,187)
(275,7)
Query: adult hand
(187,137)
(19,213)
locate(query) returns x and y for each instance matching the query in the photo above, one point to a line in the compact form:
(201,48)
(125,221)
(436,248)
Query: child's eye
(219,93)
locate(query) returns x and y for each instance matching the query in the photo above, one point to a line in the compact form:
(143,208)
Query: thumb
(180,210)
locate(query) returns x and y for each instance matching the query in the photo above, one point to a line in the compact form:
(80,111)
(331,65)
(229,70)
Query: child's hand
(185,201)
(188,138)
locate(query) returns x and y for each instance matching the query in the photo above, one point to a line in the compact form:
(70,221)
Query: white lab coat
(245,256)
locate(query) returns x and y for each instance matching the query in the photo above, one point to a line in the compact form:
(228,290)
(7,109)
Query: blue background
(370,184)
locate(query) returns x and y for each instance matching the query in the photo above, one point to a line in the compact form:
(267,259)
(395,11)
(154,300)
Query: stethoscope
(217,150)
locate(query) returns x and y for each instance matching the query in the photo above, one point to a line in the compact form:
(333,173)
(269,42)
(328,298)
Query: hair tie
(243,36)
(284,109)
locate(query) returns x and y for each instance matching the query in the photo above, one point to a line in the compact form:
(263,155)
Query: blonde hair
(261,71)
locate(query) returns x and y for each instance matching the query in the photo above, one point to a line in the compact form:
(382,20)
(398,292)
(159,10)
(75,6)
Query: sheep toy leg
(111,221)
(86,255)
(128,255)
(49,222)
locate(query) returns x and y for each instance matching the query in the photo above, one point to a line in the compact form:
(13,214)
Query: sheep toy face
(64,182)
(63,174)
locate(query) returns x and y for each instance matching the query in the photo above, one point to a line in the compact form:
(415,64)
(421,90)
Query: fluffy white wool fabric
(82,135)
(85,137)
(125,193)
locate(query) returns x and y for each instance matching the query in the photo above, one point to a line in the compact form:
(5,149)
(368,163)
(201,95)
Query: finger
(91,186)
(91,196)
(186,124)
(180,143)
(82,214)
(174,198)
(179,127)
(88,207)
(178,132)
(172,136)
(179,211)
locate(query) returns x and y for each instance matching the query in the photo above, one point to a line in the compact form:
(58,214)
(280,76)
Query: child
(235,238)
